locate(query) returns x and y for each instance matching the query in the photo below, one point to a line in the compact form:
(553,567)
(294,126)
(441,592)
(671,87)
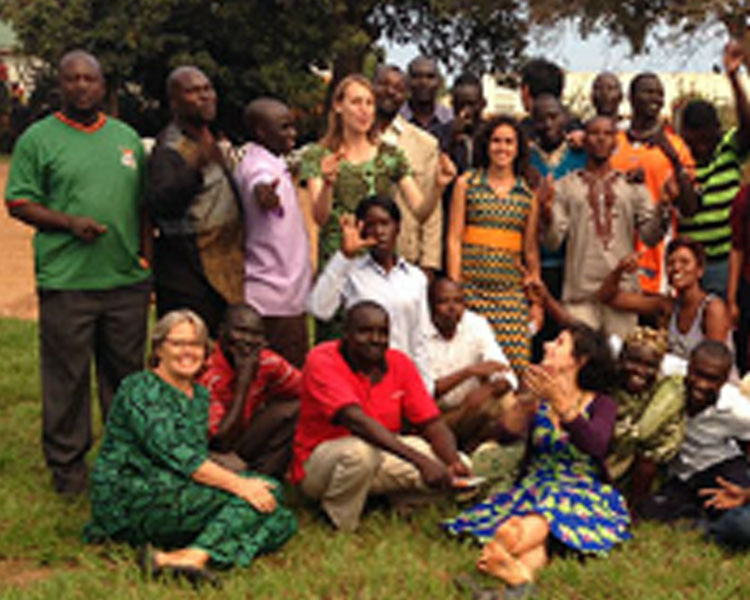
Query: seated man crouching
(355,393)
(470,370)
(254,397)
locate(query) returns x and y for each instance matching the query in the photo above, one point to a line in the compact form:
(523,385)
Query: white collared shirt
(710,436)
(473,342)
(402,291)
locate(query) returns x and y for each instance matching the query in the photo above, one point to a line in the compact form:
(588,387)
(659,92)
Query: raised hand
(352,241)
(546,197)
(446,171)
(329,167)
(629,263)
(267,196)
(733,56)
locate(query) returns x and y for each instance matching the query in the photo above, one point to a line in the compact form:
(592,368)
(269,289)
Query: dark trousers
(679,499)
(553,279)
(75,325)
(289,337)
(266,445)
(201,298)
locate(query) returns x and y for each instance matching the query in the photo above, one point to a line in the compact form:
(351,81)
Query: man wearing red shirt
(355,393)
(254,397)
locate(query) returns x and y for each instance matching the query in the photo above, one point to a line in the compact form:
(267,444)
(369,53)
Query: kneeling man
(355,394)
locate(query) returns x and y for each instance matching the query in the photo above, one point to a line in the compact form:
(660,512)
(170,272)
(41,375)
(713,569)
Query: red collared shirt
(329,384)
(275,378)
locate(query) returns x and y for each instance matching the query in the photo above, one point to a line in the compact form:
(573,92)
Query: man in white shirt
(718,415)
(469,368)
(380,275)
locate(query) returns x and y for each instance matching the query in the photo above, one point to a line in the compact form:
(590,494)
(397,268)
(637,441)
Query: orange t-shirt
(657,168)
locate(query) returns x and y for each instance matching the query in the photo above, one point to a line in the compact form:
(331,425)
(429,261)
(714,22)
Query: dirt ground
(17,295)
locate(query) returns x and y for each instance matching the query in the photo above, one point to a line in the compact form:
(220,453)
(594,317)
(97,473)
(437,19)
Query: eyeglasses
(182,344)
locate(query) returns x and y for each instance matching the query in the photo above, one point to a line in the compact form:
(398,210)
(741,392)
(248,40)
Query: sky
(596,53)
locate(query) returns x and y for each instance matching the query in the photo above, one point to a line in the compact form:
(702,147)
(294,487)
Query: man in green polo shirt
(718,172)
(77,177)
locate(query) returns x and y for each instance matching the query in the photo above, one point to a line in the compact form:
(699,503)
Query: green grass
(42,556)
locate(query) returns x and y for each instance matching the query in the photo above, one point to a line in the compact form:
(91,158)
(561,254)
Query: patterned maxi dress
(354,183)
(141,490)
(489,265)
(562,485)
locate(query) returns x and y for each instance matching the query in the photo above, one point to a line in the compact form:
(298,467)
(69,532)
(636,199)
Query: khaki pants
(341,473)
(597,315)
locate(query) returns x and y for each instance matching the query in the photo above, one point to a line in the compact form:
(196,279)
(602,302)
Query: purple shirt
(278,274)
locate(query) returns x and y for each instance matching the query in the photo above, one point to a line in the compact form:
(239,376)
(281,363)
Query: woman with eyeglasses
(153,481)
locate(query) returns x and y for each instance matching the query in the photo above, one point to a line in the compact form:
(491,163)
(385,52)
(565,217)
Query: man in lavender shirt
(278,272)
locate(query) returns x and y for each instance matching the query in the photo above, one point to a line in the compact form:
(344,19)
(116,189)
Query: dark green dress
(141,486)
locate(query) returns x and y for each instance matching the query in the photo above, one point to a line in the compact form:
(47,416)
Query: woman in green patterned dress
(153,481)
(492,231)
(350,164)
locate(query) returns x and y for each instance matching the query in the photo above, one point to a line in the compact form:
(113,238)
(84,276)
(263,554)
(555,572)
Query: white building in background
(709,86)
(20,68)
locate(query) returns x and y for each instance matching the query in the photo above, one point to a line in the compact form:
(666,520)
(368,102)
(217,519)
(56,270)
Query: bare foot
(495,560)
(509,533)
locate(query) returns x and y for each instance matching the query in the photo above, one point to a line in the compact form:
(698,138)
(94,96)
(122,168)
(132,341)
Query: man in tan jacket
(419,243)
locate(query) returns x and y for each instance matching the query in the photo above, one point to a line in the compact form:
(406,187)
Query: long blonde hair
(335,132)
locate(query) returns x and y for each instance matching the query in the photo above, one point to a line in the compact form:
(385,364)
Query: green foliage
(262,47)
(389,558)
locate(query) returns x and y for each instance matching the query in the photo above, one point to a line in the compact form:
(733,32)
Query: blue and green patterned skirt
(562,486)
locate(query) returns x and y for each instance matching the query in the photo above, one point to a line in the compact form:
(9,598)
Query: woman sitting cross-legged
(153,481)
(569,419)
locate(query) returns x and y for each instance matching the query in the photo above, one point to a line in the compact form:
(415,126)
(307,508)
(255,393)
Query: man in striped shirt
(718,173)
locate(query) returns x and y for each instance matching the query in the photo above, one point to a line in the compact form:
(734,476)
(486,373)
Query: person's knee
(359,459)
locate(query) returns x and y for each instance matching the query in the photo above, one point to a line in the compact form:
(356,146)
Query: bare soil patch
(17,291)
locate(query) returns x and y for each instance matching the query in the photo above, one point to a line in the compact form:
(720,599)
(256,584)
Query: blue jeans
(732,528)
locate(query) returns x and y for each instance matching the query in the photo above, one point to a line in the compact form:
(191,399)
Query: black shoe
(197,576)
(147,563)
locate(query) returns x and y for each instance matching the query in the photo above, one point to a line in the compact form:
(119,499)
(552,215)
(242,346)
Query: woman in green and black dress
(153,481)
(350,164)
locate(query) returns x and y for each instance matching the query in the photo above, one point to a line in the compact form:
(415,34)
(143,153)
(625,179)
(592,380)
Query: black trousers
(266,445)
(553,279)
(679,499)
(74,326)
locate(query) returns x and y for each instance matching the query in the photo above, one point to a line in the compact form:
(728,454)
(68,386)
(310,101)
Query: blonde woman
(153,481)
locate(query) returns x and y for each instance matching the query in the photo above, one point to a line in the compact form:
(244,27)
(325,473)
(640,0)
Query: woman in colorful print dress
(563,493)
(153,481)
(492,232)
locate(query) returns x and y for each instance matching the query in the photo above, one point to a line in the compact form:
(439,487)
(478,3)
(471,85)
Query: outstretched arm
(733,57)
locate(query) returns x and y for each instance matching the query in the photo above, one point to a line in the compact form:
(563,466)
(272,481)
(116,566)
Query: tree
(633,20)
(262,47)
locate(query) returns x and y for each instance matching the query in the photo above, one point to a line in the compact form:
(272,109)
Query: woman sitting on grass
(153,482)
(562,494)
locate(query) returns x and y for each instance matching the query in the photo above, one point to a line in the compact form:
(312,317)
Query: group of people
(467,271)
